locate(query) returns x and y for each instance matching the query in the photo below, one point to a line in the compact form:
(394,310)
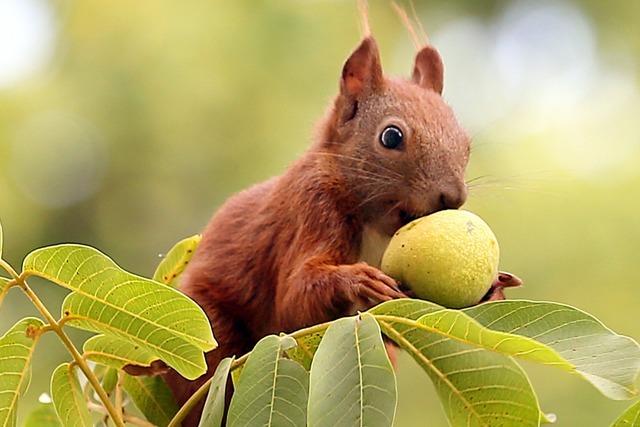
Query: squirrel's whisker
(344,156)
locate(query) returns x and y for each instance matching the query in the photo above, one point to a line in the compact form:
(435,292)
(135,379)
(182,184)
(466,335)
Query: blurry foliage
(174,107)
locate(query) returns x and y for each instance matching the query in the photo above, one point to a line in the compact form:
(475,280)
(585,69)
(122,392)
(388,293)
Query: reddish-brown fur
(285,254)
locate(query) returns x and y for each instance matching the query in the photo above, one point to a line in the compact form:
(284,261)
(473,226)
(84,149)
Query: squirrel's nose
(453,198)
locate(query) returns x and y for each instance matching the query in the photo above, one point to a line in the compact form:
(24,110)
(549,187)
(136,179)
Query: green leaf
(213,411)
(1,240)
(272,390)
(43,416)
(305,350)
(571,339)
(68,400)
(235,375)
(629,418)
(4,287)
(176,260)
(152,397)
(116,352)
(352,381)
(477,387)
(109,380)
(109,300)
(16,348)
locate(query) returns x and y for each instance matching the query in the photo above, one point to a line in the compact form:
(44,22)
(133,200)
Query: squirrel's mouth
(406,217)
(401,216)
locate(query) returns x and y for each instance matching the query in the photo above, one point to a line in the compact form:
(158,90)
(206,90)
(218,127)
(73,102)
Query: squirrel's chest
(372,245)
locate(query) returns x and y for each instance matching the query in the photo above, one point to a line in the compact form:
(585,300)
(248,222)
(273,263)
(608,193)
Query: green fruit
(449,257)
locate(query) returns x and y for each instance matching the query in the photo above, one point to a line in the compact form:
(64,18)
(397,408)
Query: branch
(77,357)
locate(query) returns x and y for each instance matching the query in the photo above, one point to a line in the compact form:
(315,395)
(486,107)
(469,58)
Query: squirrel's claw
(407,291)
(507,280)
(503,280)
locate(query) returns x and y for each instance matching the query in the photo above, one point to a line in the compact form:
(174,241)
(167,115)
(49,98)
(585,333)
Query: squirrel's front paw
(370,285)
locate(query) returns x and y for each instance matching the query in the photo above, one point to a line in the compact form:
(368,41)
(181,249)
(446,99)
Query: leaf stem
(7,267)
(204,388)
(77,357)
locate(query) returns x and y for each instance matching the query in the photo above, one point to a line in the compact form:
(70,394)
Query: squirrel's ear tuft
(362,72)
(428,71)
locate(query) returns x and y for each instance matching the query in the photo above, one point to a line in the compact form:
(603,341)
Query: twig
(77,357)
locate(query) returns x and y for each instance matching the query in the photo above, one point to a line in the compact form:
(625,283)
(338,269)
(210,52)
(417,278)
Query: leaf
(573,340)
(4,287)
(116,352)
(176,260)
(477,387)
(629,418)
(1,240)
(43,416)
(213,411)
(305,350)
(152,397)
(235,375)
(352,381)
(16,348)
(68,400)
(109,380)
(272,390)
(109,300)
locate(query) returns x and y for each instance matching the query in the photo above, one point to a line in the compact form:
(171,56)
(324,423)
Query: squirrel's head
(394,142)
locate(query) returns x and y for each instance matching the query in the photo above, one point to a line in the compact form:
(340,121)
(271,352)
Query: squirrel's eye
(391,137)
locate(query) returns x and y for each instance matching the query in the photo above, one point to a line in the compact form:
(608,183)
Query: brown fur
(285,254)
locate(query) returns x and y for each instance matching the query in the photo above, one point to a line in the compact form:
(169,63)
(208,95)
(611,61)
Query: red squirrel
(303,248)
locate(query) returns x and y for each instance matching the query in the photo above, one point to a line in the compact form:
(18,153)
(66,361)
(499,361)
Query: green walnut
(449,257)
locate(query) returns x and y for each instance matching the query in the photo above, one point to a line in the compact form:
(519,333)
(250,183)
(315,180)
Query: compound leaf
(109,300)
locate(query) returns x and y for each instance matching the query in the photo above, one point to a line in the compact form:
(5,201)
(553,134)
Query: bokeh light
(27,30)
(57,159)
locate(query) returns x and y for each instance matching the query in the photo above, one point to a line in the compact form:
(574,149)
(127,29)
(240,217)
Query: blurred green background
(124,125)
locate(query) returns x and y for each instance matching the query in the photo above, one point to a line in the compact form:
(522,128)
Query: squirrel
(304,247)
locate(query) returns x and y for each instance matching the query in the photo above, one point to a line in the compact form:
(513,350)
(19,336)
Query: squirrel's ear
(428,71)
(362,72)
